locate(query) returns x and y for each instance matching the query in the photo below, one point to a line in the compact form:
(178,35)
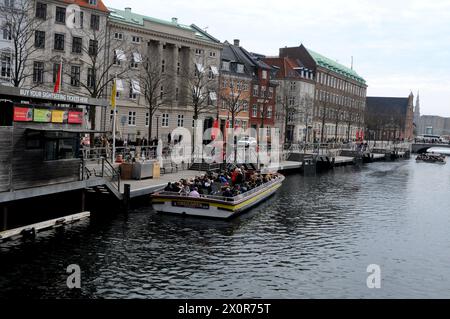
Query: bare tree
(200,85)
(232,101)
(323,106)
(20,25)
(103,58)
(152,79)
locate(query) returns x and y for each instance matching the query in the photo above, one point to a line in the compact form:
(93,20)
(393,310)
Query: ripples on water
(314,238)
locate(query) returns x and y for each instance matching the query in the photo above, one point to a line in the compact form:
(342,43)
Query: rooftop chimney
(175,20)
(237,42)
(128,9)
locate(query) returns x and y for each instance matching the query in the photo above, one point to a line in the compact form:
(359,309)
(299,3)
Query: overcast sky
(398,46)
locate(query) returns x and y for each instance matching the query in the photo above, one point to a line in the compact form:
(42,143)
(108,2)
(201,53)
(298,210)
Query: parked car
(247,141)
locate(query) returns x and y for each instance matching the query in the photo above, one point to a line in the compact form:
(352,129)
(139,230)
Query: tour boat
(215,206)
(432,158)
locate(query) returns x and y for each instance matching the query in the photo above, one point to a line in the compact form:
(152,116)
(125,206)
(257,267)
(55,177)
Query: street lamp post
(157,127)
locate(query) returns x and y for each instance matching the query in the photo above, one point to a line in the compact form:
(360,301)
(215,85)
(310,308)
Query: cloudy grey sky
(398,46)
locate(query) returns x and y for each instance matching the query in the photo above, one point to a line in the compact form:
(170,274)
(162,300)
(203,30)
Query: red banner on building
(23,114)
(75,117)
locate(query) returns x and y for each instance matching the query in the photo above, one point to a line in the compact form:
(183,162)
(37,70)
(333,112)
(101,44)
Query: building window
(75,75)
(244,106)
(163,66)
(269,112)
(132,118)
(39,39)
(38,72)
(198,51)
(255,110)
(165,120)
(136,39)
(133,94)
(212,54)
(178,68)
(76,45)
(93,47)
(7,33)
(5,66)
(177,93)
(270,92)
(147,119)
(180,121)
(161,93)
(93,2)
(59,41)
(240,68)
(95,22)
(41,10)
(264,75)
(263,91)
(81,19)
(60,15)
(226,66)
(118,36)
(91,78)
(255,90)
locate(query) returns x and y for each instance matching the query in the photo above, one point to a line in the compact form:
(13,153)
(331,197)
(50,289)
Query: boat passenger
(194,193)
(227,193)
(169,187)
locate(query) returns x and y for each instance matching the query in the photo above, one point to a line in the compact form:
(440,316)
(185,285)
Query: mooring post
(83,200)
(126,197)
(5,217)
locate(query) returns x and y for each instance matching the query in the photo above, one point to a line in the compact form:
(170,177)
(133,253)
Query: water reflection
(314,238)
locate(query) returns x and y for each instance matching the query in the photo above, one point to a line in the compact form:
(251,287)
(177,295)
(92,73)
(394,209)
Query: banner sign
(75,117)
(59,116)
(42,116)
(23,114)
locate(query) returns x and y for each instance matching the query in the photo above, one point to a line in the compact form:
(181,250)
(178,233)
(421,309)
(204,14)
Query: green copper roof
(335,66)
(128,17)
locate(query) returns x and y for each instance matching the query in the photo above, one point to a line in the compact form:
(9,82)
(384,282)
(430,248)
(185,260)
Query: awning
(120,55)
(200,67)
(135,86)
(214,70)
(137,57)
(119,85)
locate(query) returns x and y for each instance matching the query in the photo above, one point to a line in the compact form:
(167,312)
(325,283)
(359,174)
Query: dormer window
(264,75)
(93,2)
(240,68)
(226,65)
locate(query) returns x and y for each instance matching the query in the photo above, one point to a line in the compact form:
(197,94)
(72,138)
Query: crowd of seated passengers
(226,183)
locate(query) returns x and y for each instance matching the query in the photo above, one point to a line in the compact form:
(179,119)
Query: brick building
(340,95)
(390,118)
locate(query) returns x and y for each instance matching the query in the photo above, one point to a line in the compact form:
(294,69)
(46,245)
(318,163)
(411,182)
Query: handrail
(111,172)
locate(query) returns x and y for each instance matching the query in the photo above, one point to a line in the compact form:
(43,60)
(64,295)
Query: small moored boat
(213,206)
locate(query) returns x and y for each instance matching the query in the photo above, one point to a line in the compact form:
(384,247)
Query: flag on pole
(58,79)
(114,95)
(215,130)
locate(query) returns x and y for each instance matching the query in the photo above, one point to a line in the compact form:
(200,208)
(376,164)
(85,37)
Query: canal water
(314,239)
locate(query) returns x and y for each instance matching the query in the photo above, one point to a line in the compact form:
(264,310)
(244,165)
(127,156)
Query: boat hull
(204,207)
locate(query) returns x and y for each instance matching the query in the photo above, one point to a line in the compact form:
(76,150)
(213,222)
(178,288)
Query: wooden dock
(34,229)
